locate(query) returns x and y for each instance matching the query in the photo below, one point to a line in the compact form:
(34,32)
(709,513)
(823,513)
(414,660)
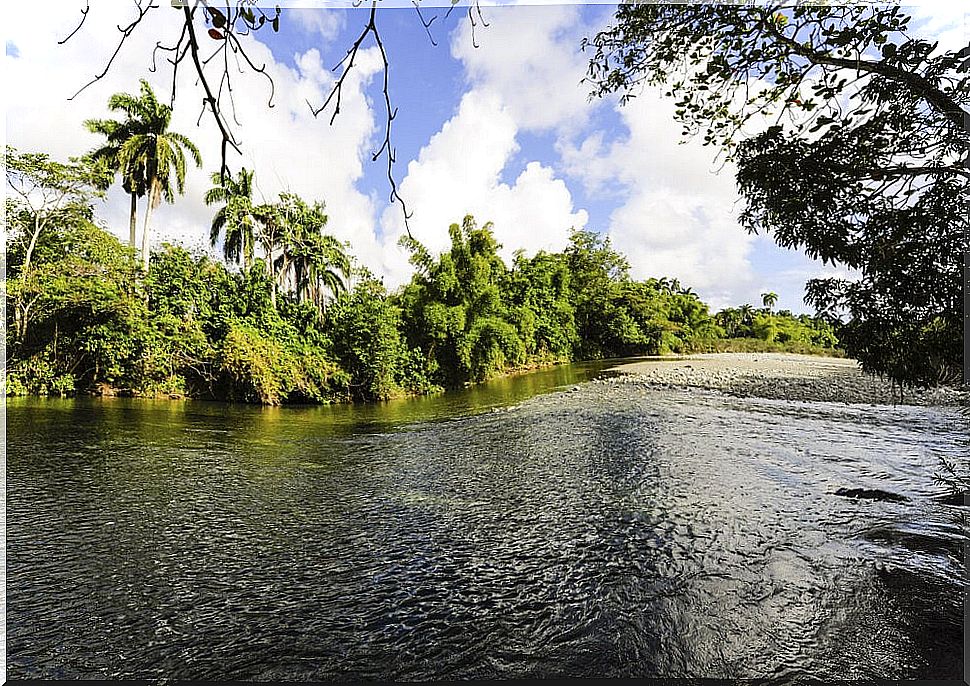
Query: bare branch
(125,32)
(425,24)
(258,70)
(227,137)
(84,16)
(336,94)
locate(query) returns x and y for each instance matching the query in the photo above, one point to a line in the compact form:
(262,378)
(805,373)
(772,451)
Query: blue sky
(504,131)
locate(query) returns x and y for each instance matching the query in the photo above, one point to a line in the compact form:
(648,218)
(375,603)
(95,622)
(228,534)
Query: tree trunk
(30,249)
(20,311)
(20,322)
(132,222)
(272,277)
(154,197)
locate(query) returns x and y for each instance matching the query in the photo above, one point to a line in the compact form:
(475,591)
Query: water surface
(613,532)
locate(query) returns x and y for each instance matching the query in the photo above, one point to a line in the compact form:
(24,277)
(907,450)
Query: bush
(263,369)
(15,386)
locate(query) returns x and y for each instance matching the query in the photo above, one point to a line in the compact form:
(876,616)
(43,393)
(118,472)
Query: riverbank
(780,376)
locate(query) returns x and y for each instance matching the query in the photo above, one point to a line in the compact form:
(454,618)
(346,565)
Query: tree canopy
(850,143)
(300,323)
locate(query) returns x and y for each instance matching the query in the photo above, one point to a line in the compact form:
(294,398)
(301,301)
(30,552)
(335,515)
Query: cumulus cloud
(673,216)
(459,172)
(289,149)
(325,23)
(530,57)
(678,217)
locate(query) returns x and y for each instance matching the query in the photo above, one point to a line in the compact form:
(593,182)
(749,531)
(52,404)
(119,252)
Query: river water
(607,530)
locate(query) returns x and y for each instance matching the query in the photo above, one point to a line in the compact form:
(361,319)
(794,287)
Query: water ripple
(607,532)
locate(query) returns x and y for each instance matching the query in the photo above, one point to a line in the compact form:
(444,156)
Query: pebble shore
(779,376)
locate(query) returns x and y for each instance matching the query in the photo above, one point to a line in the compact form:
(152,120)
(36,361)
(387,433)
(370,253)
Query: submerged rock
(872,494)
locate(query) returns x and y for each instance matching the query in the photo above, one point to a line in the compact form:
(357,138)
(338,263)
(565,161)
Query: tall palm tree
(326,267)
(132,180)
(747,314)
(315,262)
(151,147)
(236,218)
(272,224)
(769,299)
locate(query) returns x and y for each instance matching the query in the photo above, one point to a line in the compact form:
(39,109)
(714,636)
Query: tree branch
(337,92)
(227,137)
(942,102)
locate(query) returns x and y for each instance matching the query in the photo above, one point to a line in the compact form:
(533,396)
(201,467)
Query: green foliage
(74,308)
(475,318)
(757,345)
(453,309)
(792,334)
(365,328)
(864,165)
(265,369)
(617,316)
(541,306)
(491,346)
(87,319)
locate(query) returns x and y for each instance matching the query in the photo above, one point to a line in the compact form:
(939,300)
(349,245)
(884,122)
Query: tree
(365,327)
(45,194)
(314,261)
(158,153)
(272,227)
(454,309)
(731,320)
(746,313)
(116,134)
(77,311)
(235,220)
(769,299)
(862,163)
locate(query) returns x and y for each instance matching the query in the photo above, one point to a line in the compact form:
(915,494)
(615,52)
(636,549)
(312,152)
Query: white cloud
(311,19)
(678,218)
(530,57)
(943,21)
(289,149)
(459,173)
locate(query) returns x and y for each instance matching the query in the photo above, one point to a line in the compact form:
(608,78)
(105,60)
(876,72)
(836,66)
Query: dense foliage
(302,326)
(850,141)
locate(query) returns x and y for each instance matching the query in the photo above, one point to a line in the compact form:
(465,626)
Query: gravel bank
(779,376)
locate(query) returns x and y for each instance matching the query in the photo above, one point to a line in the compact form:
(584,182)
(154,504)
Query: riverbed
(539,527)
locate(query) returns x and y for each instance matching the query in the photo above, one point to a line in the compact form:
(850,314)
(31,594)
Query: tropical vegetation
(850,139)
(289,316)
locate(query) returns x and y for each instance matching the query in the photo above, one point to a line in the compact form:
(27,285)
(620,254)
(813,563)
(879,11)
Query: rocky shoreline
(779,376)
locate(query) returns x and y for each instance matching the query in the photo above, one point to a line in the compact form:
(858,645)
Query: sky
(500,127)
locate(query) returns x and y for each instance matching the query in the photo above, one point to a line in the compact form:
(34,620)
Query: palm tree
(132,180)
(769,299)
(730,320)
(314,261)
(153,149)
(271,230)
(235,218)
(326,268)
(747,314)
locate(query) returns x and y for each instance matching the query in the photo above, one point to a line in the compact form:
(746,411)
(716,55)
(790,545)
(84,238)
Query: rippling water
(609,531)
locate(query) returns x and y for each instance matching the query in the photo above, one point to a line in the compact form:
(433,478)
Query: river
(598,530)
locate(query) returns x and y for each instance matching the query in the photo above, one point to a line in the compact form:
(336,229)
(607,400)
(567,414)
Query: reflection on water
(611,532)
